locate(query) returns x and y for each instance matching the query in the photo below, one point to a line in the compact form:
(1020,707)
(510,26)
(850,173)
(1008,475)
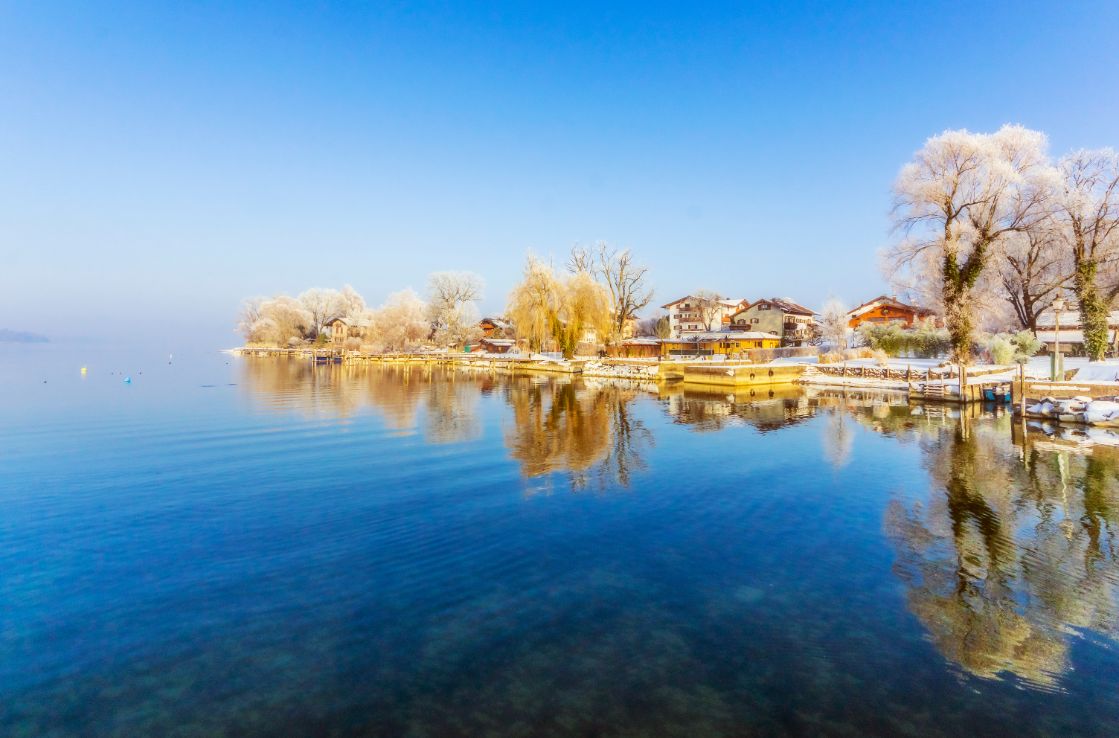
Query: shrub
(831,357)
(880,357)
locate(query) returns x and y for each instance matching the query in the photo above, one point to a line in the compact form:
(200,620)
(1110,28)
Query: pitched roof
(726,336)
(783,304)
(886,300)
(726,301)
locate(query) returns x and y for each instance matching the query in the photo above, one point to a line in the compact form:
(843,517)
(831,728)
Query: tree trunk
(957,316)
(1093,309)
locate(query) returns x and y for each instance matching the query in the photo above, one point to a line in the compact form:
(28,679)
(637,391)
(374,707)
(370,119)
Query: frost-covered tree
(709,305)
(1032,271)
(833,324)
(623,279)
(452,307)
(959,197)
(1087,214)
(323,305)
(351,304)
(402,322)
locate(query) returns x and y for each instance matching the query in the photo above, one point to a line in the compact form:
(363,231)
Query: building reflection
(1005,555)
(706,409)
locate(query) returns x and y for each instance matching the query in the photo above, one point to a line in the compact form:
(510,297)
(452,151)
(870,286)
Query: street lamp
(1057,366)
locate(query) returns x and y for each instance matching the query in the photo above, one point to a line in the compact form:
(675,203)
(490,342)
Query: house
(686,315)
(724,343)
(343,328)
(497,345)
(636,348)
(793,322)
(887,309)
(1069,334)
(494,327)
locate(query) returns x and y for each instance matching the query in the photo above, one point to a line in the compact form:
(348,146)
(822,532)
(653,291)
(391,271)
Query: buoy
(83,371)
(128,380)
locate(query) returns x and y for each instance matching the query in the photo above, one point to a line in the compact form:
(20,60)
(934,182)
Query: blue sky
(157,164)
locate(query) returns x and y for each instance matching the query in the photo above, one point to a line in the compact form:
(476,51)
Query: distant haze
(162,162)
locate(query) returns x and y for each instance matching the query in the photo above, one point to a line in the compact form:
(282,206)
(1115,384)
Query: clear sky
(157,164)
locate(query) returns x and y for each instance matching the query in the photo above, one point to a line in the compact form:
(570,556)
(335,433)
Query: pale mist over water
(264,547)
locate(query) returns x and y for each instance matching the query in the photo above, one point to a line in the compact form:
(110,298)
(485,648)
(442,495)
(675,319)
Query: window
(763,306)
(755,320)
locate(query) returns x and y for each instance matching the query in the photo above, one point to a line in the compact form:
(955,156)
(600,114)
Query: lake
(231,546)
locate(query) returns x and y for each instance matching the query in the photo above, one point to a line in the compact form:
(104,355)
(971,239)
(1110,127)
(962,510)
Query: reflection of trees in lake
(1005,554)
(839,439)
(398,393)
(559,425)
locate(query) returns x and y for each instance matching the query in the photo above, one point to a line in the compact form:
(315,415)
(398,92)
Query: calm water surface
(260,547)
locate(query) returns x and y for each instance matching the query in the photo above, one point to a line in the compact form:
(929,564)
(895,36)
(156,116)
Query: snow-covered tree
(709,305)
(402,322)
(833,324)
(623,279)
(323,305)
(1032,270)
(959,197)
(1087,214)
(452,307)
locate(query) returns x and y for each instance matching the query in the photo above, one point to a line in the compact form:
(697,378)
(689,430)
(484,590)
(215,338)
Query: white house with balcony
(689,316)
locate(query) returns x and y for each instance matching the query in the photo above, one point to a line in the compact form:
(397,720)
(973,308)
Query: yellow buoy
(83,370)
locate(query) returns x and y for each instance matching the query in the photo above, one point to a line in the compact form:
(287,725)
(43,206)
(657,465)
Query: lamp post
(1057,367)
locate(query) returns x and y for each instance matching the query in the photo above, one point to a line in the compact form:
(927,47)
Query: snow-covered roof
(1069,336)
(886,300)
(1071,318)
(729,336)
(641,341)
(499,341)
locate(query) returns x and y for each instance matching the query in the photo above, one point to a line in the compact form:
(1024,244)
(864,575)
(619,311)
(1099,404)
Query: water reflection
(1011,551)
(1005,556)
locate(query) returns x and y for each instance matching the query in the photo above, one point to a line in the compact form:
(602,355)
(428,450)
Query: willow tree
(534,303)
(545,308)
(957,200)
(1087,211)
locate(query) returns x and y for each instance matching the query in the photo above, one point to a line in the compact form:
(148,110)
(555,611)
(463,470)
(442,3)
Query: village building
(791,321)
(725,343)
(636,348)
(887,309)
(344,328)
(495,327)
(685,316)
(1067,331)
(497,345)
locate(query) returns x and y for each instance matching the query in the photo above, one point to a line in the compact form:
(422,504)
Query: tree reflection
(1008,551)
(562,426)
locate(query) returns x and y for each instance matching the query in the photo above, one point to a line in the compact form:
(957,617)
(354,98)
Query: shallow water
(262,547)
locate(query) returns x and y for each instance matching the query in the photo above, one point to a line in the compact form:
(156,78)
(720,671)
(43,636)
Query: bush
(831,357)
(1000,348)
(924,341)
(880,357)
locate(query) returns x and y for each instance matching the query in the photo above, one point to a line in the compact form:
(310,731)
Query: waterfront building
(724,343)
(1070,335)
(687,316)
(791,321)
(887,309)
